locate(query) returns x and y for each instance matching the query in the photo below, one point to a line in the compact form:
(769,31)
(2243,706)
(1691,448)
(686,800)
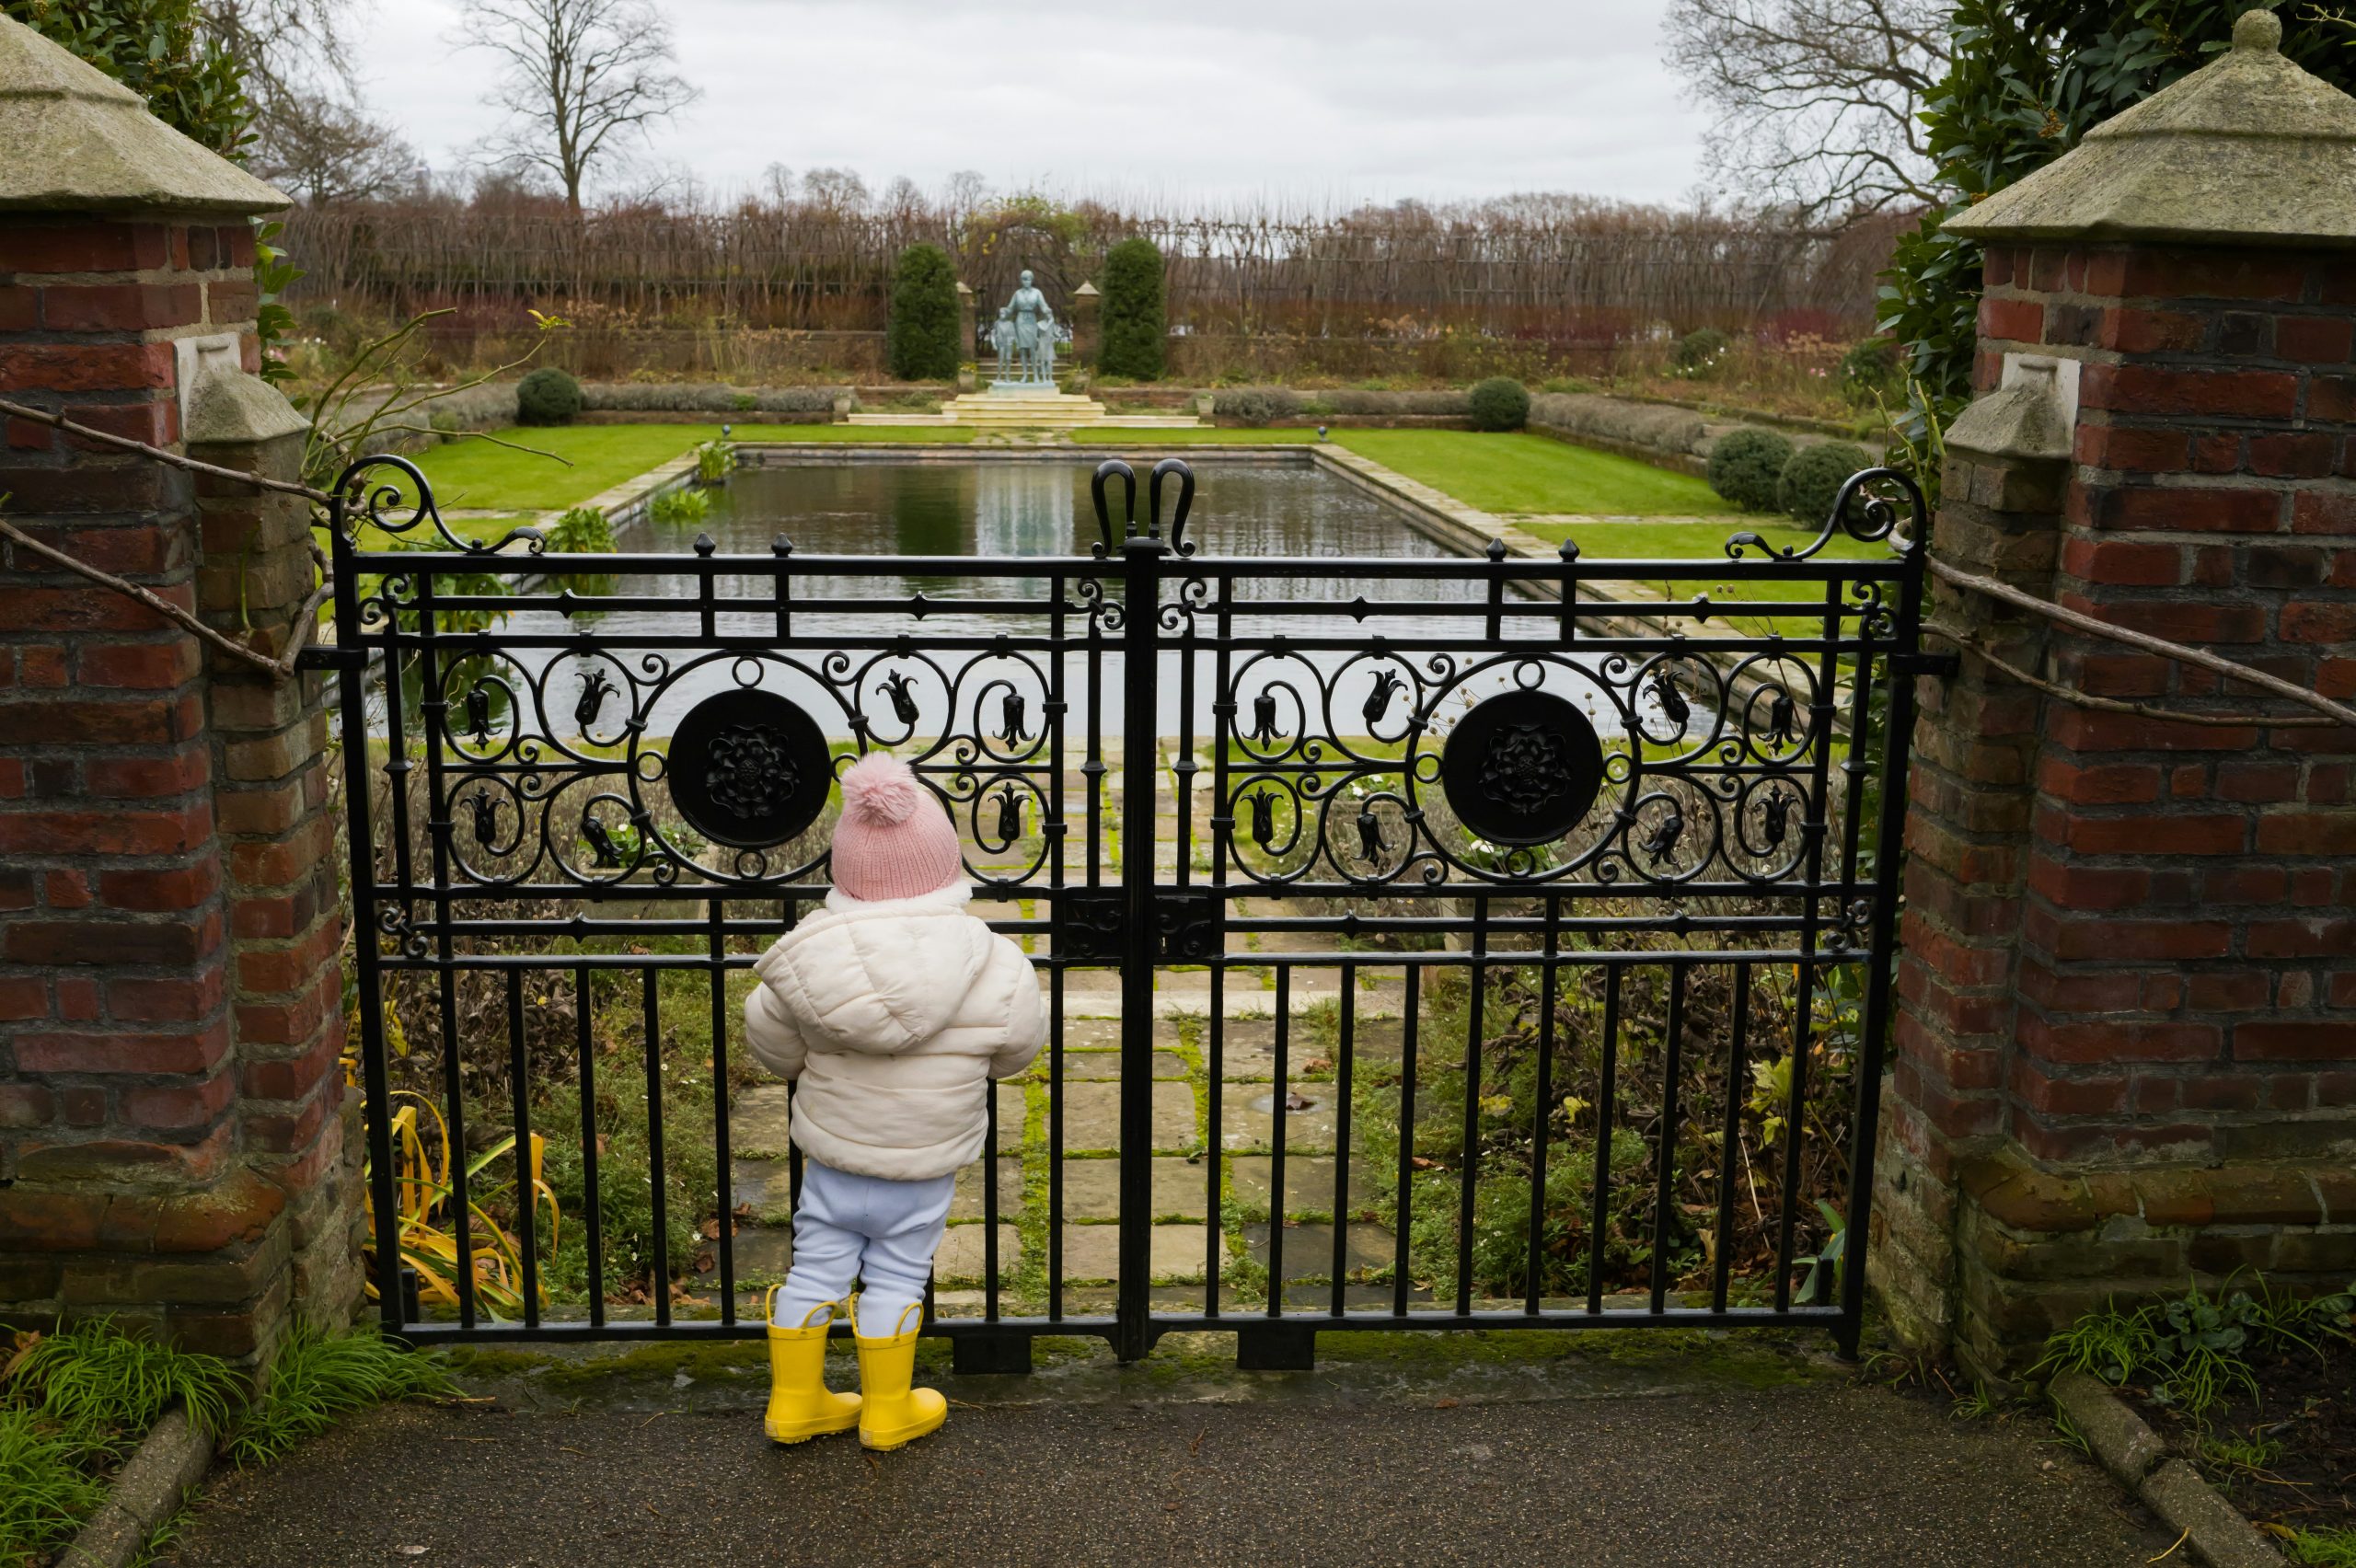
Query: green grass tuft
(45,1492)
(103,1388)
(2327,1547)
(318,1378)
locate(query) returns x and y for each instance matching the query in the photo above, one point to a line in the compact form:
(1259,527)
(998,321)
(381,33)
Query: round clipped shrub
(548,396)
(1746,465)
(920,342)
(1869,372)
(1133,317)
(1814,477)
(1500,403)
(1697,353)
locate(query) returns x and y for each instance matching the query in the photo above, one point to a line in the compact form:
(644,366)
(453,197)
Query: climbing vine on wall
(2029,78)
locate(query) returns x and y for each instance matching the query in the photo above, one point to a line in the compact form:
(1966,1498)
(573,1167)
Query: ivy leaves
(2027,81)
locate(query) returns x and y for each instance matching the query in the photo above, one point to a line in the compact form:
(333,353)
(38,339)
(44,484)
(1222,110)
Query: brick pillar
(170,1142)
(2127,1054)
(282,896)
(1969,814)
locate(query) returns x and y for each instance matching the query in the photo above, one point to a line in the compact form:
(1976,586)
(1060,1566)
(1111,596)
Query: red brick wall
(168,1005)
(2188,954)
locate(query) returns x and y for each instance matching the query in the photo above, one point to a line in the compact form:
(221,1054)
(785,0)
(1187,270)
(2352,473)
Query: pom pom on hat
(895,840)
(879,791)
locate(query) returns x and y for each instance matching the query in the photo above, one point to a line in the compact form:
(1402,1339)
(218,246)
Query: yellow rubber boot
(895,1415)
(801,1407)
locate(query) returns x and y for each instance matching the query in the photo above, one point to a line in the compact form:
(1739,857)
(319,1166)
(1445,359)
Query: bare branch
(298,631)
(1817,101)
(213,470)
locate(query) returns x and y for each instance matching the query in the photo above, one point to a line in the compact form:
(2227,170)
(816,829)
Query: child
(891,1008)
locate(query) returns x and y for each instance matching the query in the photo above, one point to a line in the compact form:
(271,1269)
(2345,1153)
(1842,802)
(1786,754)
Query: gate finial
(1166,468)
(1109,468)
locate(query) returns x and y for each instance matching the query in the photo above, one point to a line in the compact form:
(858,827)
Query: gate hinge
(1945,666)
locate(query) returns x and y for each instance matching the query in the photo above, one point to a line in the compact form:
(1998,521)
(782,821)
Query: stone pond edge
(150,1489)
(2136,1456)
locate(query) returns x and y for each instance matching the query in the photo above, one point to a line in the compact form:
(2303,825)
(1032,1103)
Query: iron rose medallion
(748,769)
(1522,767)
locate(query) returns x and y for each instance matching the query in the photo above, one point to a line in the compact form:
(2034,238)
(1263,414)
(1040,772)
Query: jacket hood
(879,975)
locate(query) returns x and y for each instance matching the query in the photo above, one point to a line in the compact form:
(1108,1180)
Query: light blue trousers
(880,1233)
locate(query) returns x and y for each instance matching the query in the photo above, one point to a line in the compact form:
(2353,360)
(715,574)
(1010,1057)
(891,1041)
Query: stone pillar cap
(1088,289)
(2249,150)
(74,140)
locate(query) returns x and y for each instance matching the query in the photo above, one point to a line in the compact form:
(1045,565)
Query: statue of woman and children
(1024,336)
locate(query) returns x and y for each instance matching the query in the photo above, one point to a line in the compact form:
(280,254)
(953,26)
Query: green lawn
(1707,541)
(477,474)
(1528,473)
(1497,473)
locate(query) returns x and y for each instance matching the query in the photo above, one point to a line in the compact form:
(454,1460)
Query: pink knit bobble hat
(894,841)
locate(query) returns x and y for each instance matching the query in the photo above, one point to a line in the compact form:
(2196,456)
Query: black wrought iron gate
(1532,917)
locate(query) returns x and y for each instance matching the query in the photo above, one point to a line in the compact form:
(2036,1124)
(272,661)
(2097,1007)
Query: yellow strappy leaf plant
(430,1233)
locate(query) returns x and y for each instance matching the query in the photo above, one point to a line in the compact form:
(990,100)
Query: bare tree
(1816,100)
(285,50)
(837,190)
(579,75)
(328,151)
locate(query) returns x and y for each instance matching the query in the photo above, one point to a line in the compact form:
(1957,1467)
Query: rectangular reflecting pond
(984,509)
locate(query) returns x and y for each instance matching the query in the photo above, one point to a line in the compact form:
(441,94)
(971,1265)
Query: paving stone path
(1057,1136)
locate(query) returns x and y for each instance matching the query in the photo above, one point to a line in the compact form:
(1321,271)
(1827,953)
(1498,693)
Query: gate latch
(1095,926)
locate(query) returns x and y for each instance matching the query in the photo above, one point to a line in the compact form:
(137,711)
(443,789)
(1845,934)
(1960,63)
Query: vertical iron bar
(781,585)
(724,1145)
(1470,1168)
(586,1050)
(790,909)
(1140,755)
(1341,1209)
(989,1203)
(1665,1156)
(1092,772)
(396,762)
(526,1199)
(438,825)
(1276,1141)
(1411,1008)
(1545,1112)
(1811,915)
(1730,1138)
(360,848)
(1607,1118)
(657,1177)
(1058,840)
(1213,1210)
(1890,846)
(1222,834)
(1056,1147)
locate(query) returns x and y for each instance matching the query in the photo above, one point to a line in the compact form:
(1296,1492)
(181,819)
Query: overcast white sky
(1339,100)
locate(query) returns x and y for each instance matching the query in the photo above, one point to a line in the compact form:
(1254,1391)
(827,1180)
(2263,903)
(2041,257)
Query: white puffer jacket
(893,1015)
